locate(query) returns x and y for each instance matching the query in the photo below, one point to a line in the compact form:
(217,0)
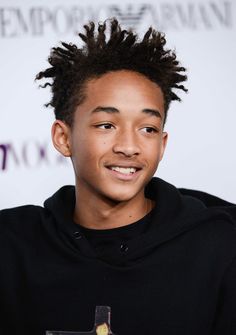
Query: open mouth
(124,170)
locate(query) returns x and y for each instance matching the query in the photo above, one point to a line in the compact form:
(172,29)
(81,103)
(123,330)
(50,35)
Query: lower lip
(125,177)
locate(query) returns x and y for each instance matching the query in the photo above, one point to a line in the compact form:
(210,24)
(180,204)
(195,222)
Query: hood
(211,201)
(176,211)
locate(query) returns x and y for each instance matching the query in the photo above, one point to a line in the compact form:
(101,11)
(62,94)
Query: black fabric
(111,245)
(175,275)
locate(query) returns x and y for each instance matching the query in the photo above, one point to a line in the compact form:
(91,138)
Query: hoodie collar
(176,212)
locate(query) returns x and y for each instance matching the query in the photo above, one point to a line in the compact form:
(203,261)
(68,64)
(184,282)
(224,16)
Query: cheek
(153,157)
(89,151)
(152,153)
(96,147)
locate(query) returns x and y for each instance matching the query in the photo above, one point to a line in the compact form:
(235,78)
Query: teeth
(123,170)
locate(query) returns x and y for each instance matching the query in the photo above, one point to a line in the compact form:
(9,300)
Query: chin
(121,196)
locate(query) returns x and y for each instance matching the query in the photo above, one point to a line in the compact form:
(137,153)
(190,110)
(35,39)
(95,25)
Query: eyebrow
(152,112)
(105,109)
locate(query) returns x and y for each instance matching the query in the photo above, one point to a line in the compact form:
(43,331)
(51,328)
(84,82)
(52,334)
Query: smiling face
(117,138)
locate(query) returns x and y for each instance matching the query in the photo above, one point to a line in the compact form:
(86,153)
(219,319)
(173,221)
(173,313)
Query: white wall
(202,137)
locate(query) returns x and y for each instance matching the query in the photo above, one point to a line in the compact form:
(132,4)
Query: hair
(72,67)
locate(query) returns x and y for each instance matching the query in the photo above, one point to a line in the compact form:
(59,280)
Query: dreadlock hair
(72,67)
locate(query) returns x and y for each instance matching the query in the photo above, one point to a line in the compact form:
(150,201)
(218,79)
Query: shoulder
(19,212)
(18,218)
(213,236)
(207,222)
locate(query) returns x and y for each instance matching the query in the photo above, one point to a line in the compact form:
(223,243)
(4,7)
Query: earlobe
(61,137)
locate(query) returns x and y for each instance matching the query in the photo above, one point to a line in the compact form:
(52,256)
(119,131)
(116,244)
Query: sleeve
(225,321)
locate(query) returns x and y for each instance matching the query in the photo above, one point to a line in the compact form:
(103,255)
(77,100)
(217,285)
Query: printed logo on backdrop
(29,154)
(41,20)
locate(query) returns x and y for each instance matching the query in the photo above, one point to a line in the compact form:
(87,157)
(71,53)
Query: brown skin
(127,134)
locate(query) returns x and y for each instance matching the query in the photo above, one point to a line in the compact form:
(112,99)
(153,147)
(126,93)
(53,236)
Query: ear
(61,137)
(163,143)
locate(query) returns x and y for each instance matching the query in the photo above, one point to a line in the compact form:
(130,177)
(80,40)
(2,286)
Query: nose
(127,144)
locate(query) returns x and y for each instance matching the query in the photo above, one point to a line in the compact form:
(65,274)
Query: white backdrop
(202,136)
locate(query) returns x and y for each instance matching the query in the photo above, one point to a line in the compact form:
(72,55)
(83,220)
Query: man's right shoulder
(19,217)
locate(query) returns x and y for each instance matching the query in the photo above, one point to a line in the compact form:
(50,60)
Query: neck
(102,213)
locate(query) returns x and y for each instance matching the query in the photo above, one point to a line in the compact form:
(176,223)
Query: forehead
(124,87)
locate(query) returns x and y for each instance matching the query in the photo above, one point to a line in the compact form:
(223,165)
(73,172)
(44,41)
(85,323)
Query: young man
(121,252)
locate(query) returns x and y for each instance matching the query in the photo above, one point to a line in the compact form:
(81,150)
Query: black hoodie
(171,273)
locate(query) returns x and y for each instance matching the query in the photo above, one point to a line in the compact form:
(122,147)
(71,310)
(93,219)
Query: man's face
(117,138)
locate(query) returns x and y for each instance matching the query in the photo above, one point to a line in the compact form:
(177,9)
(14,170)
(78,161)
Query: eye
(149,130)
(104,126)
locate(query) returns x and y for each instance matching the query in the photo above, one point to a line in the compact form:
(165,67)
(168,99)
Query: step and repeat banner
(201,151)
